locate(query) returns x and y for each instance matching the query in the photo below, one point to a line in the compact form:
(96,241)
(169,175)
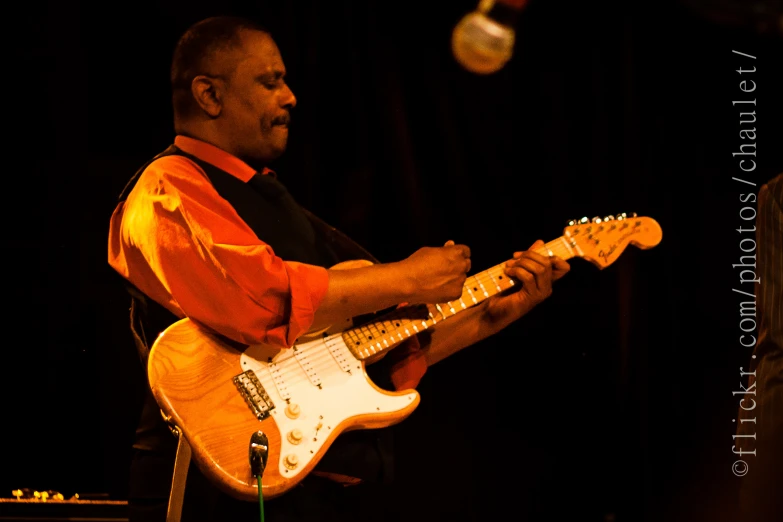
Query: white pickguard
(327,383)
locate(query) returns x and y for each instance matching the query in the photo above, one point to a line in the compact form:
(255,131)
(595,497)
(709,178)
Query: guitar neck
(392,328)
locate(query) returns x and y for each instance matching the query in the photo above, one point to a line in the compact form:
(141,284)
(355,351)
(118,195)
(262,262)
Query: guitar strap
(178,479)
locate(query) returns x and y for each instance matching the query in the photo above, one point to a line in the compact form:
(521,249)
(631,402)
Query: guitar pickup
(254,394)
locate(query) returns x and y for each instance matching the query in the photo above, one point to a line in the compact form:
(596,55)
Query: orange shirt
(179,242)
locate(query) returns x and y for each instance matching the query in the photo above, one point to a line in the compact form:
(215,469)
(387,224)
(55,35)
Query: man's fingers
(539,267)
(561,265)
(533,257)
(527,278)
(464,250)
(559,268)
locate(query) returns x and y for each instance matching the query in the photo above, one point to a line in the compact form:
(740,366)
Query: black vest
(295,234)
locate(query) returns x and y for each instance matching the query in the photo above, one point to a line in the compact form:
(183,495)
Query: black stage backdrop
(610,401)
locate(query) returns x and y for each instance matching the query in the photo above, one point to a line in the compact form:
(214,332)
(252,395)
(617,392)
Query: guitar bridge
(254,394)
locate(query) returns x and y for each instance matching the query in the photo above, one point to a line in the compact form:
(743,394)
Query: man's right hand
(430,275)
(437,274)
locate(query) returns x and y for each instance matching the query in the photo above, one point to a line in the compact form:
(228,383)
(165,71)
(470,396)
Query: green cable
(260,497)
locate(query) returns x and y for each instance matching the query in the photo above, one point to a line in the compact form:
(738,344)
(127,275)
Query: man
(206,231)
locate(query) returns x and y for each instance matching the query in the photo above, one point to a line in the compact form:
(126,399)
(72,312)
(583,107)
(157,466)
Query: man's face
(257,101)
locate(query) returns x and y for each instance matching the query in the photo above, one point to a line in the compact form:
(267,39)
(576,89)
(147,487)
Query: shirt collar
(218,157)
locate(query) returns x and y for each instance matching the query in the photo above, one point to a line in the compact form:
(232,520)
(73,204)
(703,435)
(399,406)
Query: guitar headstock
(601,240)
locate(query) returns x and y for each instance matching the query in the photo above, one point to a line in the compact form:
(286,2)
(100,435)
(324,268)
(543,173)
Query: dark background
(611,399)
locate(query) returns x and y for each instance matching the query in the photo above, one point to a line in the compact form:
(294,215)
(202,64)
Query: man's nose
(288,99)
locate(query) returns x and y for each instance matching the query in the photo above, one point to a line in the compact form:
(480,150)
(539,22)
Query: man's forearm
(357,291)
(451,335)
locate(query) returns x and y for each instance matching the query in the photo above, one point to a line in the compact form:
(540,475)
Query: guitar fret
(473,297)
(489,272)
(441,311)
(390,326)
(568,247)
(378,333)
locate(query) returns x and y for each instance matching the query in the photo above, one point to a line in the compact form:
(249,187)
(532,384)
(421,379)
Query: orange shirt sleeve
(182,244)
(408,364)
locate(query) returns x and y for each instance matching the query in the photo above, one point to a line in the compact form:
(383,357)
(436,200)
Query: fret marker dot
(383,331)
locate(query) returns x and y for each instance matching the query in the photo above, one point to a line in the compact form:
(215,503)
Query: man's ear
(207,93)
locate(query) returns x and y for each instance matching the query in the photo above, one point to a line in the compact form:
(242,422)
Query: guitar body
(218,395)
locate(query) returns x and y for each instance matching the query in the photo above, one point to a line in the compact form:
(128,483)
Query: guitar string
(322,362)
(315,355)
(315,361)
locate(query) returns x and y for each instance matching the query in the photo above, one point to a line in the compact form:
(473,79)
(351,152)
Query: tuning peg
(609,218)
(596,219)
(633,214)
(584,220)
(621,216)
(571,222)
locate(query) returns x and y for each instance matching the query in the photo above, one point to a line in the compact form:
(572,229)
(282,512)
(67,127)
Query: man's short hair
(195,49)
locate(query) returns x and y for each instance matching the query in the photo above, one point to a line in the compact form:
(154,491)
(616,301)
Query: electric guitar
(219,394)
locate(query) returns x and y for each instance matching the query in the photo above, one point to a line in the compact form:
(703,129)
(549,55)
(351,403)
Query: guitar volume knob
(292,411)
(291,461)
(295,436)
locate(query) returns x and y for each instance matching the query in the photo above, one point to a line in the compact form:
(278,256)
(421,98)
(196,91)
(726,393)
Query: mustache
(282,120)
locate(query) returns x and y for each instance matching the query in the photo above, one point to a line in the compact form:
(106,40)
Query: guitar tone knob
(292,411)
(291,461)
(295,436)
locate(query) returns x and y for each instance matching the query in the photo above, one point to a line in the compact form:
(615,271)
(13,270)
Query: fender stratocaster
(218,394)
